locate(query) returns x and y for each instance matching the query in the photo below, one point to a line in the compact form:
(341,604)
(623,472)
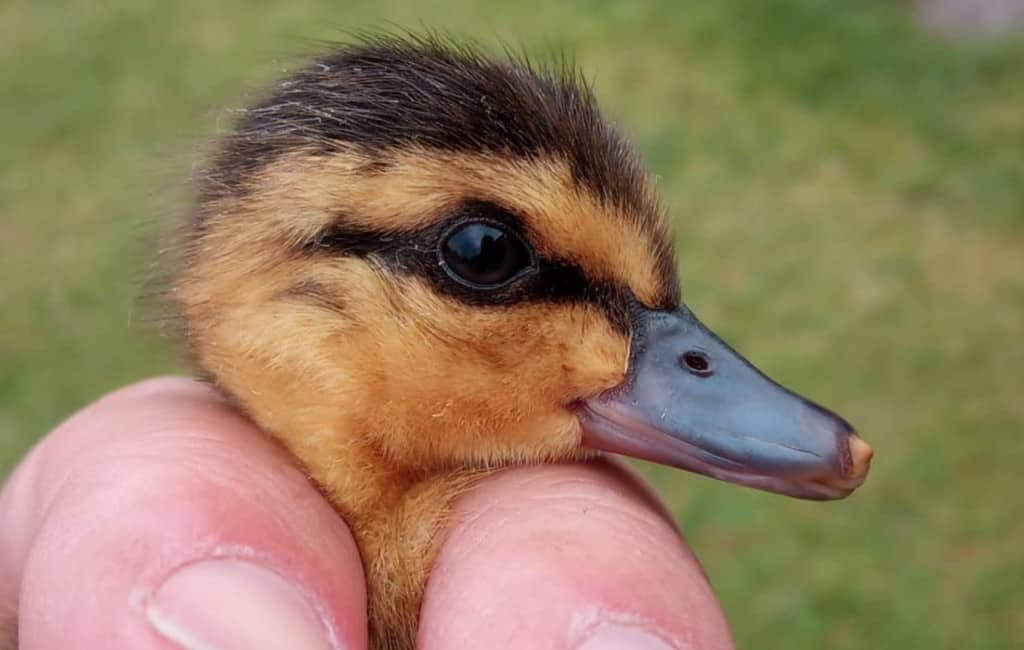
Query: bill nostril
(696,362)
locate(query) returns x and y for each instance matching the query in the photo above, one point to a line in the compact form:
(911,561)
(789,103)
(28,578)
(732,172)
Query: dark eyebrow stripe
(414,252)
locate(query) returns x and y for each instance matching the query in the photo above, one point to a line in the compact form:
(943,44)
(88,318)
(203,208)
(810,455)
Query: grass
(849,197)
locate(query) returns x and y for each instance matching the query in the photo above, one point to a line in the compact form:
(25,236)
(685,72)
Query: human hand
(159,517)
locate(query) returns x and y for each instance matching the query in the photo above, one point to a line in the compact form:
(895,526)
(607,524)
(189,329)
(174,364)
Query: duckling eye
(484,255)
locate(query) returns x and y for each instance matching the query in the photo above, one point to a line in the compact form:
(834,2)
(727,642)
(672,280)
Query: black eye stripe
(415,252)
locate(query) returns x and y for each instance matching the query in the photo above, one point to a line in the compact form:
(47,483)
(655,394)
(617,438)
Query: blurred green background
(849,197)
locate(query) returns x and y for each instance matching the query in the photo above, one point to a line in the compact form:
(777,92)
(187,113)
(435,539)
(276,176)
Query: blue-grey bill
(692,402)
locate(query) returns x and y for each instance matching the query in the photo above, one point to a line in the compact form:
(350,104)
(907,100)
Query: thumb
(158,518)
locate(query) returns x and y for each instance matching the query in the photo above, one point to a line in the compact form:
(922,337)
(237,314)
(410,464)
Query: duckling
(414,264)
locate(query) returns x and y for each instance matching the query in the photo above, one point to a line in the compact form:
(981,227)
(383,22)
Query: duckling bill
(413,264)
(692,402)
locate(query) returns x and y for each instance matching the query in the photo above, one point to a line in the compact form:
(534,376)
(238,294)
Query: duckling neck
(356,478)
(396,518)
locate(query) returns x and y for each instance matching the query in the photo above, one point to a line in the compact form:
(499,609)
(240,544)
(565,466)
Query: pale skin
(159,518)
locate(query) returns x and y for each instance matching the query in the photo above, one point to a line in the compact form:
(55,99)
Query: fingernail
(229,604)
(614,636)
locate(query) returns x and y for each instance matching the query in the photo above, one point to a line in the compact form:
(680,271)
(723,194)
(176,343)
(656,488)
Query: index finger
(567,556)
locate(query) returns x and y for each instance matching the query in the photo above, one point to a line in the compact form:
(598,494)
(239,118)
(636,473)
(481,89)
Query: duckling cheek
(593,354)
(489,386)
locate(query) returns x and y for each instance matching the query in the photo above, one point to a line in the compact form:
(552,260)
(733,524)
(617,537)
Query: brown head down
(415,255)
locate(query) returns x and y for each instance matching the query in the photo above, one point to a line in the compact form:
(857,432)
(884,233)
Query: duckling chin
(413,264)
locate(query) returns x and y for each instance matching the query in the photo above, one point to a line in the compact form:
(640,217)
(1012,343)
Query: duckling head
(450,261)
